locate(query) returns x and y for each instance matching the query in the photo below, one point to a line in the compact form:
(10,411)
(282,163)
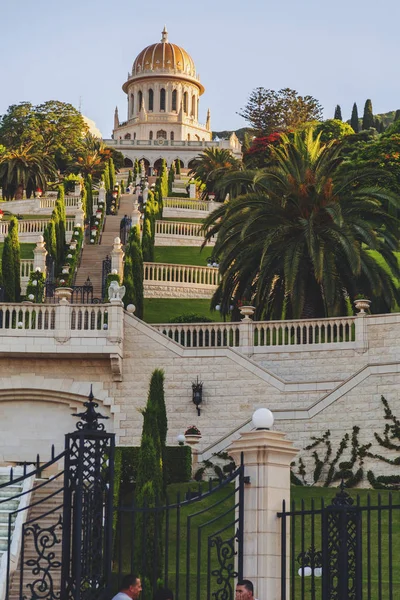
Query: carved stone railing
(26,266)
(56,329)
(50,202)
(182,274)
(30,229)
(178,228)
(188,204)
(254,337)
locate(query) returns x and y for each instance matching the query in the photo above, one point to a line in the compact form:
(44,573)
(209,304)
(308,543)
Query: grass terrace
(182,255)
(162,310)
(26,250)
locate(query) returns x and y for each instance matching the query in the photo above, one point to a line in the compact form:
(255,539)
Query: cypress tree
(129,178)
(111,169)
(8,270)
(61,224)
(354,119)
(135,170)
(157,399)
(14,240)
(89,197)
(397,115)
(106,177)
(178,166)
(129,297)
(338,113)
(134,235)
(171,178)
(136,259)
(164,179)
(51,245)
(122,187)
(368,117)
(147,242)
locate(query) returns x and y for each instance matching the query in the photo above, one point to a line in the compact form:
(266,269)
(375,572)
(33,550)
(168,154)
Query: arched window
(174,100)
(185,103)
(172,135)
(134,136)
(127,136)
(188,137)
(193,105)
(162,99)
(132,104)
(150,135)
(161,134)
(151,100)
(140,98)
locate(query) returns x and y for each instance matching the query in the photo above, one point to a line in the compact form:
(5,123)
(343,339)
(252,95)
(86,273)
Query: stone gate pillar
(267,456)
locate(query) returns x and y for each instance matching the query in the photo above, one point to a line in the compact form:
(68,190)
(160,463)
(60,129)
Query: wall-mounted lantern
(197,394)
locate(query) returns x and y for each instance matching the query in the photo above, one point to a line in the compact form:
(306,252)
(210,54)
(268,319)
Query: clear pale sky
(339,51)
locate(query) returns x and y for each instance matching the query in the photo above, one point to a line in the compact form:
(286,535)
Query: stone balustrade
(263,336)
(26,266)
(30,229)
(44,205)
(50,202)
(174,273)
(54,329)
(187,203)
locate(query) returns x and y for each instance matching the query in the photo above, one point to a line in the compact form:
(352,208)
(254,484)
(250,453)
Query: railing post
(246,331)
(267,456)
(361,332)
(62,325)
(117,258)
(39,255)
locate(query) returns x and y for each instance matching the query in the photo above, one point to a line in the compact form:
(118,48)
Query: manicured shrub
(13,235)
(136,257)
(147,242)
(8,271)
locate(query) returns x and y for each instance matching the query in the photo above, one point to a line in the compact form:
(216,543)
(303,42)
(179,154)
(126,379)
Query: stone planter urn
(63,293)
(362,304)
(247,312)
(192,438)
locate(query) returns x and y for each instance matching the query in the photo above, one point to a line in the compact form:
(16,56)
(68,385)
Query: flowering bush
(192,430)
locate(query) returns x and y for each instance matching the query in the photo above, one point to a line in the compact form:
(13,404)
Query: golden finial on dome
(164,34)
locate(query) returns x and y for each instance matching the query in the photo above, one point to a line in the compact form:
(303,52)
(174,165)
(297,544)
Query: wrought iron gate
(346,550)
(106,270)
(65,544)
(198,541)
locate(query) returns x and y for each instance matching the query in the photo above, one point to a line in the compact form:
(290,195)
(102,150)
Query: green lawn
(162,310)
(26,250)
(184,220)
(182,255)
(201,521)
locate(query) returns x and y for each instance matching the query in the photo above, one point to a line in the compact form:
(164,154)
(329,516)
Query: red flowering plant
(192,430)
(1,212)
(259,153)
(62,282)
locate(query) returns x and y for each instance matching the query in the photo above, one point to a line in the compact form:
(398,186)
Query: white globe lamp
(263,418)
(180,439)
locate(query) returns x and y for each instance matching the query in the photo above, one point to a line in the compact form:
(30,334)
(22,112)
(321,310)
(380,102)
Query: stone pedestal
(267,457)
(117,258)
(39,256)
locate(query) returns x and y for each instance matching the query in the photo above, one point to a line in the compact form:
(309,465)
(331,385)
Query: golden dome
(164,57)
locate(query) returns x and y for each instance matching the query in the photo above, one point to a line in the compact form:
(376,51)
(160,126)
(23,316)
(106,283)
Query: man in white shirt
(130,588)
(244,590)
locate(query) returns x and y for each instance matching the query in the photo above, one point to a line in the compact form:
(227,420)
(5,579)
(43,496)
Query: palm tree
(92,156)
(210,166)
(298,242)
(24,168)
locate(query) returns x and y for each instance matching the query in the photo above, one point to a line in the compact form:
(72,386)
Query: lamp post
(197,394)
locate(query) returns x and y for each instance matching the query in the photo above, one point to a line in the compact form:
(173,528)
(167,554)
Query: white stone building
(163,91)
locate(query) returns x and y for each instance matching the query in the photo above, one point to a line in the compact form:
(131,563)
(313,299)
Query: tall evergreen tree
(8,270)
(147,242)
(354,122)
(89,197)
(111,169)
(338,113)
(178,166)
(368,117)
(129,297)
(136,170)
(157,399)
(164,179)
(129,178)
(136,258)
(134,235)
(171,178)
(106,177)
(14,241)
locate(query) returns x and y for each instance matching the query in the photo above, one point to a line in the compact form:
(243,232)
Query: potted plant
(1,214)
(63,290)
(192,435)
(362,303)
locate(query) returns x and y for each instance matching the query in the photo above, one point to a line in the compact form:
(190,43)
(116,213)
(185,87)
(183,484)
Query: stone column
(117,258)
(39,256)
(246,330)
(267,458)
(80,215)
(192,190)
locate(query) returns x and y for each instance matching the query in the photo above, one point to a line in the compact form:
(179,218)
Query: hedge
(178,465)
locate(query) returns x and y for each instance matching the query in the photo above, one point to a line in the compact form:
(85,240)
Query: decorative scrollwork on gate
(45,565)
(226,573)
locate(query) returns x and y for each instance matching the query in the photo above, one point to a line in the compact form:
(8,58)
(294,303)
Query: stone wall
(310,392)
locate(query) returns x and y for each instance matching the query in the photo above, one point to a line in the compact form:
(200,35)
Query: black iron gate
(106,270)
(346,550)
(65,544)
(192,543)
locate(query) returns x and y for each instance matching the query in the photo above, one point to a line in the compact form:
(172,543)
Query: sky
(80,51)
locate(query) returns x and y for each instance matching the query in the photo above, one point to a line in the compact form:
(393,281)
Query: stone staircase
(51,508)
(92,256)
(6,507)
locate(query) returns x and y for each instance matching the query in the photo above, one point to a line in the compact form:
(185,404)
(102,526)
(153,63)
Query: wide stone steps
(51,507)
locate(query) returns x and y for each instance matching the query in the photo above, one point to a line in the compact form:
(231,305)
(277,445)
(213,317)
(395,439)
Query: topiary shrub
(191,318)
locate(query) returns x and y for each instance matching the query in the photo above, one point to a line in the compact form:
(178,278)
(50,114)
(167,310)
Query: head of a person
(131,586)
(244,590)
(163,594)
